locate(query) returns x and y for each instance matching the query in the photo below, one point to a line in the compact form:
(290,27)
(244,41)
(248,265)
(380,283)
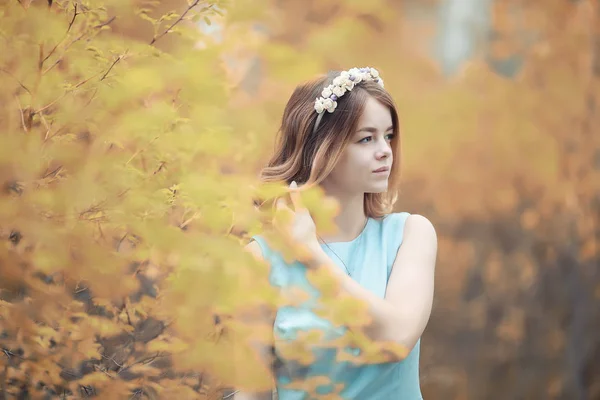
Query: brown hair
(308,157)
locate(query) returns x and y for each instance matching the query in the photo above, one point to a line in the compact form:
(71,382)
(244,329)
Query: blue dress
(369,259)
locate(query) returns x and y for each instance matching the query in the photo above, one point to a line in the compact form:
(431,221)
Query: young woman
(341,132)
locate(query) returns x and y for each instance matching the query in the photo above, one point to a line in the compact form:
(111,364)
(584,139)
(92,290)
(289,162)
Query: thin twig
(143,361)
(97,27)
(100,230)
(92,97)
(186,222)
(54,65)
(105,23)
(46,125)
(111,67)
(8,353)
(40,57)
(140,151)
(151,359)
(136,393)
(176,22)
(59,59)
(121,241)
(54,101)
(15,78)
(22,115)
(53,172)
(112,359)
(75,14)
(160,167)
(101,369)
(67,92)
(62,128)
(83,289)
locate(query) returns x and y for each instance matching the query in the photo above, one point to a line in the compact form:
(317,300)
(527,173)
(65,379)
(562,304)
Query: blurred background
(501,150)
(146,139)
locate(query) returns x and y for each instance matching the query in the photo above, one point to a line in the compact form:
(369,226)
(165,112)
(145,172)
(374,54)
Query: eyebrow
(370,129)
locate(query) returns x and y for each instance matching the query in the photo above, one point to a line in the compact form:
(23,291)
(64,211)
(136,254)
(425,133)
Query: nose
(384,150)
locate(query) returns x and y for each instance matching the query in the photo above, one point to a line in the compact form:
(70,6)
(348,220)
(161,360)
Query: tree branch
(75,87)
(75,14)
(105,23)
(15,78)
(97,27)
(22,115)
(111,67)
(194,4)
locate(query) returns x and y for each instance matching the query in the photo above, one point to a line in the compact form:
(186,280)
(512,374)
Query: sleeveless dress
(369,259)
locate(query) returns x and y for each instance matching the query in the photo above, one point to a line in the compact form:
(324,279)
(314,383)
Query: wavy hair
(308,156)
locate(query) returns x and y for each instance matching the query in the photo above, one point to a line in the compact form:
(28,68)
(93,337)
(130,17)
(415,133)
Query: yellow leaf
(94,378)
(90,348)
(145,370)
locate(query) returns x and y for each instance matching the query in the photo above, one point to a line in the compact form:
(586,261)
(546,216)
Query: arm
(400,317)
(263,351)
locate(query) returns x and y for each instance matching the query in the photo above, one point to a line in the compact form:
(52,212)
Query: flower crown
(341,84)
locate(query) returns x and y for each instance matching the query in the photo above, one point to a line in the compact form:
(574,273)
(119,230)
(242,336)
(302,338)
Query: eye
(391,136)
(364,140)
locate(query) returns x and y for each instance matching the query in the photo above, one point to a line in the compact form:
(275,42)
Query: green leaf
(171,15)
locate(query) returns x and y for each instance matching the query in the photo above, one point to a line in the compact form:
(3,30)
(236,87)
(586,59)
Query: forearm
(386,321)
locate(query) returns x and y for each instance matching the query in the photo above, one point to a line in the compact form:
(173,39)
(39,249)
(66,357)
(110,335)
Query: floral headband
(340,85)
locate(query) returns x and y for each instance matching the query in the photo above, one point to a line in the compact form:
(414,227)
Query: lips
(382,169)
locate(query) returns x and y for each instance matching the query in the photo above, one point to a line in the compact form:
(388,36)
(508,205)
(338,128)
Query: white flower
(347,84)
(329,105)
(343,83)
(338,91)
(319,106)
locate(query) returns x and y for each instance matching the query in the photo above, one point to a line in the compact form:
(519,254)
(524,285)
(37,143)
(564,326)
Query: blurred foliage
(120,183)
(507,169)
(130,145)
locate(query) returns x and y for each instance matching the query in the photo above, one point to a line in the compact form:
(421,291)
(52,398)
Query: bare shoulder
(419,230)
(418,223)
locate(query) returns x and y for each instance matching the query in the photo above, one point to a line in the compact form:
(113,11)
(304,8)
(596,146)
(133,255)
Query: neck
(351,220)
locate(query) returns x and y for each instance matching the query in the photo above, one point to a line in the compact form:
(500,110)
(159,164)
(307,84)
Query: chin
(377,189)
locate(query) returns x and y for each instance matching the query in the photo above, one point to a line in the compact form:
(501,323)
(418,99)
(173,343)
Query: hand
(296,225)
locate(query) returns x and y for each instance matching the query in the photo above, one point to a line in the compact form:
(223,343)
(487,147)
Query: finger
(295,196)
(280,204)
(283,214)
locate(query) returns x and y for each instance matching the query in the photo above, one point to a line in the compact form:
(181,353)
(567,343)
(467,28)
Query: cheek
(352,164)
(358,159)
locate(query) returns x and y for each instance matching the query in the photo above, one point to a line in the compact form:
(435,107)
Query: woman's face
(368,150)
